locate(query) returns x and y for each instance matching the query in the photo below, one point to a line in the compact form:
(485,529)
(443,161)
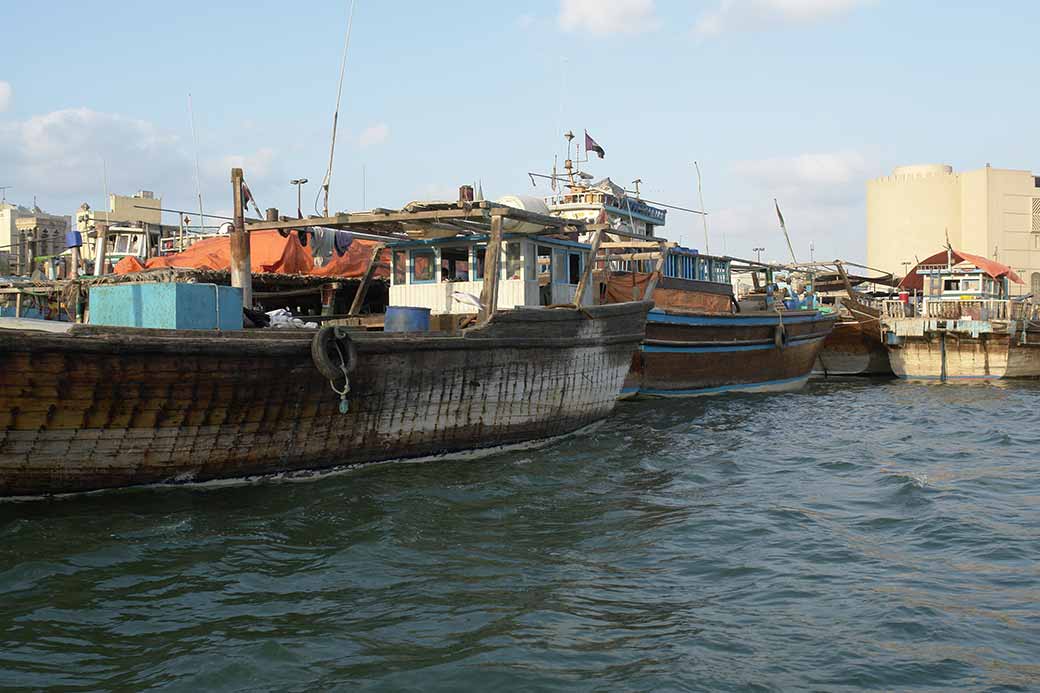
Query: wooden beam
(583,283)
(101,250)
(623,245)
(241,270)
(362,290)
(492,260)
(634,256)
(534,217)
(658,271)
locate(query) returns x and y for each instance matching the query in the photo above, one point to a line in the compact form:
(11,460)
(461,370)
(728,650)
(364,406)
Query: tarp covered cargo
(269,251)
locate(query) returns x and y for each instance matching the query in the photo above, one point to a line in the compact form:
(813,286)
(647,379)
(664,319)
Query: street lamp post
(299,182)
(758,254)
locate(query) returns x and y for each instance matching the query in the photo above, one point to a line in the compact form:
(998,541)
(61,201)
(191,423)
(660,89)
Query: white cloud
(735,15)
(5,95)
(58,156)
(605,17)
(820,194)
(373,135)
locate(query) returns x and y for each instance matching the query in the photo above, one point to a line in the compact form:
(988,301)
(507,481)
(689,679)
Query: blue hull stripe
(737,387)
(736,320)
(651,349)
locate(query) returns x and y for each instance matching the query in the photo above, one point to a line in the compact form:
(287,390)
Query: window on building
(480,256)
(1036,215)
(400,266)
(423,262)
(1034,284)
(455,264)
(952,285)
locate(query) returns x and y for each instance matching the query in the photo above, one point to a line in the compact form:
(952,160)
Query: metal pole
(704,217)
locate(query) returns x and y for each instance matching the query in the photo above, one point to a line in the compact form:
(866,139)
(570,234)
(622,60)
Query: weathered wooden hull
(956,356)
(852,350)
(686,355)
(110,407)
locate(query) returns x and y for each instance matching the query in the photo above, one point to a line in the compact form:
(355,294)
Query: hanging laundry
(342,242)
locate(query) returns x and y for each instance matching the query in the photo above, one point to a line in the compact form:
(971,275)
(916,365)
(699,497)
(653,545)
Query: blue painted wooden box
(167,305)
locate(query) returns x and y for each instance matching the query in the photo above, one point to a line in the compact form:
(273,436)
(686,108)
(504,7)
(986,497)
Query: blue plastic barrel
(406,319)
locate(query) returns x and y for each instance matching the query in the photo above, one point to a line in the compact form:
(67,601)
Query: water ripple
(855,536)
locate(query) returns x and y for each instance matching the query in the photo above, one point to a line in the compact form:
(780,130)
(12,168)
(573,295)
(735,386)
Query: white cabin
(536,271)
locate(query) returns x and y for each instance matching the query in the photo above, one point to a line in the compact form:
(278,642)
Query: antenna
(335,116)
(195,140)
(3,192)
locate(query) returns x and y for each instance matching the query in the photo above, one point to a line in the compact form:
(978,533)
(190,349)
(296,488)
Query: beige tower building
(990,212)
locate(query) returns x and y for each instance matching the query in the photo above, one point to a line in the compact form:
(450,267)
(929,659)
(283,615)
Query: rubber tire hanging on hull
(326,349)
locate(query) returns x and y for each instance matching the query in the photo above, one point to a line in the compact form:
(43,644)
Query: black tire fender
(326,348)
(780,336)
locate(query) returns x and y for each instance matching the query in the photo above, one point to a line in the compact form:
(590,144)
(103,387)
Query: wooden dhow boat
(699,339)
(961,323)
(91,407)
(854,347)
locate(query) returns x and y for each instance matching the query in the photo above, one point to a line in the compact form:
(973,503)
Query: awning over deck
(994,269)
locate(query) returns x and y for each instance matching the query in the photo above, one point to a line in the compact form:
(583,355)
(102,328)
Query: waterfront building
(28,235)
(134,226)
(990,212)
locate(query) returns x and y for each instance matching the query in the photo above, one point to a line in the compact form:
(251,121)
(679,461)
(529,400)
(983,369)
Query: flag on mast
(591,146)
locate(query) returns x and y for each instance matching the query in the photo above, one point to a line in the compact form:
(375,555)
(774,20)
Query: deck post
(241,272)
(102,247)
(658,271)
(362,290)
(583,283)
(492,260)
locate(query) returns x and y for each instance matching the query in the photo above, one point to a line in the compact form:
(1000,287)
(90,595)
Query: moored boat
(93,407)
(961,323)
(699,339)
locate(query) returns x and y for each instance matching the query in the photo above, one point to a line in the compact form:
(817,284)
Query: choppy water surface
(854,536)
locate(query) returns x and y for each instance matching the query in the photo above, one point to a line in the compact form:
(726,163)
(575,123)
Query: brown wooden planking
(114,407)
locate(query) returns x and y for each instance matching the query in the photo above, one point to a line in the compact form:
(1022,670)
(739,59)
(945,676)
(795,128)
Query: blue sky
(803,100)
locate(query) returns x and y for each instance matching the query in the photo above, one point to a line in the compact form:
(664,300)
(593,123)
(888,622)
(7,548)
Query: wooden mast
(583,283)
(241,273)
(492,257)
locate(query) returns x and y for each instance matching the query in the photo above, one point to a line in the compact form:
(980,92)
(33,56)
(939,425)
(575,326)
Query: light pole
(758,254)
(298,182)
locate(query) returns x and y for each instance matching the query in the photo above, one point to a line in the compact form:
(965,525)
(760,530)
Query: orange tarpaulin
(354,262)
(268,252)
(913,280)
(620,289)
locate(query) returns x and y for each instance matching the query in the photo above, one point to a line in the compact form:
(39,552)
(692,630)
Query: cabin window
(121,243)
(423,263)
(479,258)
(952,285)
(544,275)
(134,245)
(400,266)
(970,285)
(513,260)
(560,267)
(573,268)
(454,264)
